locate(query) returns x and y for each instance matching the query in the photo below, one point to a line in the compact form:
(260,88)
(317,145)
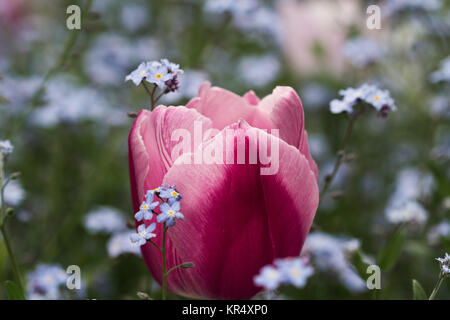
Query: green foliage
(418,291)
(14,291)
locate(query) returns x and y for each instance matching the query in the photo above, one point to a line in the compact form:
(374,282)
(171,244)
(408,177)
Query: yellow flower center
(143,233)
(171,213)
(158,76)
(145,207)
(377,98)
(295,272)
(174,193)
(142,73)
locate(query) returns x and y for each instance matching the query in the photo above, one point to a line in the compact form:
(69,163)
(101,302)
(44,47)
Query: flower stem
(151,94)
(340,156)
(164,275)
(3,228)
(438,285)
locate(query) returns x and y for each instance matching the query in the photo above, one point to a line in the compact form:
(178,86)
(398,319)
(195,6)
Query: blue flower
(169,212)
(157,73)
(443,74)
(139,74)
(445,264)
(379,99)
(362,52)
(145,210)
(294,271)
(170,193)
(45,282)
(171,67)
(143,234)
(269,278)
(6,147)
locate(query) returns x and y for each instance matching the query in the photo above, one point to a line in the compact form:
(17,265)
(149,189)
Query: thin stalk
(340,156)
(153,243)
(438,285)
(3,229)
(12,257)
(163,252)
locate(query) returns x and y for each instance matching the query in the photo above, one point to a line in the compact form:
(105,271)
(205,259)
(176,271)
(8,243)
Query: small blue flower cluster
(6,147)
(169,208)
(445,264)
(291,271)
(162,73)
(379,99)
(45,282)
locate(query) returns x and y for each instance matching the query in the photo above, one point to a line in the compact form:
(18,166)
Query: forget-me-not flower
(169,212)
(170,194)
(145,210)
(6,147)
(139,74)
(379,99)
(171,67)
(143,234)
(294,271)
(445,264)
(269,278)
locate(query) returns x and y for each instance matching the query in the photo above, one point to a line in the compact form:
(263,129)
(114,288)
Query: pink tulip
(236,220)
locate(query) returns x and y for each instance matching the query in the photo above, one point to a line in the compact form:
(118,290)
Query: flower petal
(238,220)
(151,146)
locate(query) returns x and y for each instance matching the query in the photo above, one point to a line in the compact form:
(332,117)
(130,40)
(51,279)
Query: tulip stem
(3,215)
(164,274)
(437,286)
(340,155)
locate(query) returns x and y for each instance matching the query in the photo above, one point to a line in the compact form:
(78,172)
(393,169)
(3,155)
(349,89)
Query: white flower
(14,193)
(269,278)
(362,51)
(380,99)
(294,271)
(259,71)
(443,74)
(45,282)
(104,219)
(329,254)
(6,147)
(120,243)
(411,212)
(441,230)
(134,16)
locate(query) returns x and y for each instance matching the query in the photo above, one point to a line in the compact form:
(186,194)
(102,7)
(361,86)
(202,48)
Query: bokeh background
(64,103)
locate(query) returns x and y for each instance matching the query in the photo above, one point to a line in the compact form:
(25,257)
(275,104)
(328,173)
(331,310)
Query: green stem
(181,265)
(153,243)
(3,228)
(12,257)
(163,252)
(341,155)
(438,285)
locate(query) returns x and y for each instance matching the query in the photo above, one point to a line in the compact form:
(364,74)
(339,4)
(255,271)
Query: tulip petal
(224,107)
(280,110)
(238,220)
(151,145)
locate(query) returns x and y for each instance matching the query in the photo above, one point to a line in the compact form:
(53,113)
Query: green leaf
(360,266)
(14,291)
(390,253)
(418,292)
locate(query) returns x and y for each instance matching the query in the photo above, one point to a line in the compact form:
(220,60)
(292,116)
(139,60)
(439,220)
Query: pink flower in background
(315,30)
(236,220)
